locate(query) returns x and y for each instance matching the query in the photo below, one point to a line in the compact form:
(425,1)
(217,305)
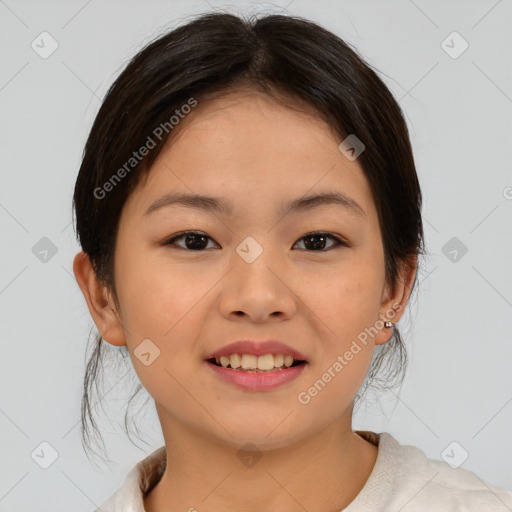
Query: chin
(265,435)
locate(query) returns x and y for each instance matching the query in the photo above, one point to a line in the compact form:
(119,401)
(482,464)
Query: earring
(388,324)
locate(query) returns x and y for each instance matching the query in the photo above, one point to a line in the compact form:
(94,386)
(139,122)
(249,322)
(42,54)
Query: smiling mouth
(283,367)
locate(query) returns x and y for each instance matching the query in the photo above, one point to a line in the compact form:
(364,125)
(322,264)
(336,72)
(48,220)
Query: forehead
(234,118)
(250,147)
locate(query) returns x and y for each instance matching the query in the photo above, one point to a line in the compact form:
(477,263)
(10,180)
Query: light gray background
(459,383)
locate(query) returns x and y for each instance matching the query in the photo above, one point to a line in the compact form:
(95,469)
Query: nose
(258,290)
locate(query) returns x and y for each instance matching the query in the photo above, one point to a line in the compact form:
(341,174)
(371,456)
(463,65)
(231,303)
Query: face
(251,271)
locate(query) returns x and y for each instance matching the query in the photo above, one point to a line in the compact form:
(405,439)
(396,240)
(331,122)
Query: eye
(196,241)
(316,241)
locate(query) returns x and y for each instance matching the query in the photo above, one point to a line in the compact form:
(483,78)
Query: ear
(99,301)
(393,303)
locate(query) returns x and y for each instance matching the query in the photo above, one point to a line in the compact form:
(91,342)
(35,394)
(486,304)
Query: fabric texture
(403,479)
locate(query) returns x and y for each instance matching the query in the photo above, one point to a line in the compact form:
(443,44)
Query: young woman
(250,218)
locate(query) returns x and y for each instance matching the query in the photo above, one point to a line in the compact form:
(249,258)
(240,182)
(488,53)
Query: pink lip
(257,348)
(254,381)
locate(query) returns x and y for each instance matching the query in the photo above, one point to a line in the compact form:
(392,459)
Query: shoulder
(139,480)
(405,479)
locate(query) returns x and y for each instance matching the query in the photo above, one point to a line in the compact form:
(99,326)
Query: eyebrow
(216,205)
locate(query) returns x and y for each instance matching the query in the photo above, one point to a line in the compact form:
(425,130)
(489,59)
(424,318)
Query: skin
(254,153)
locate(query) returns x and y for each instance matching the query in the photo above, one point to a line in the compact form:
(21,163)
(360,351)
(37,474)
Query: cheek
(349,311)
(346,299)
(161,306)
(158,300)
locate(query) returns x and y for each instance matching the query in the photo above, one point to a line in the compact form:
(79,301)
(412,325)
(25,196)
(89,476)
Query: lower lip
(257,381)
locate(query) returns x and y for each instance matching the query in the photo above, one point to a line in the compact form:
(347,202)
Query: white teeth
(249,362)
(235,360)
(267,362)
(278,360)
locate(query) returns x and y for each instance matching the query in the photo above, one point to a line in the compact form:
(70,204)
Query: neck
(322,472)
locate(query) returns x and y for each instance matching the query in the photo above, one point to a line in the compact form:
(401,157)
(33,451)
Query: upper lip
(257,348)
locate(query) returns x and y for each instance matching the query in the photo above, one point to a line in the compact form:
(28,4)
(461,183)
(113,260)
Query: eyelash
(338,241)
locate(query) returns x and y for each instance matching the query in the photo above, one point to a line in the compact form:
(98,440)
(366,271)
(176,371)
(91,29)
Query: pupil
(191,245)
(315,245)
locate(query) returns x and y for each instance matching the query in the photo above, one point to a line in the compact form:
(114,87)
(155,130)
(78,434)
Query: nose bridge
(256,287)
(250,250)
(254,260)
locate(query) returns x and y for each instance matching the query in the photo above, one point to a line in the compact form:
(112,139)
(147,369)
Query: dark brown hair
(288,58)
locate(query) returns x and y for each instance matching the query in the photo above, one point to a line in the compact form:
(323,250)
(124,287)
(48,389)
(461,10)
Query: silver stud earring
(388,324)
